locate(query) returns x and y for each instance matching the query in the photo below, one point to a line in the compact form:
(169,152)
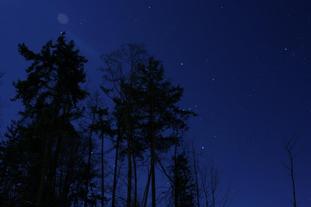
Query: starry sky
(245,66)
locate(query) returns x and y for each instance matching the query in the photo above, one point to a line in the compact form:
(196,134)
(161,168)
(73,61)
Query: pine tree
(45,141)
(183,186)
(161,119)
(127,118)
(121,66)
(101,125)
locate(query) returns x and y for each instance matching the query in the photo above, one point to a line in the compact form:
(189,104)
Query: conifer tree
(48,149)
(183,186)
(161,118)
(101,125)
(121,66)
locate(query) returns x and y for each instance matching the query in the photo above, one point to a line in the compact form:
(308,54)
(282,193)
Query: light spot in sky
(63,18)
(202,147)
(181,64)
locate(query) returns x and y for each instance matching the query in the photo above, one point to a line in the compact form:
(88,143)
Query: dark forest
(155,103)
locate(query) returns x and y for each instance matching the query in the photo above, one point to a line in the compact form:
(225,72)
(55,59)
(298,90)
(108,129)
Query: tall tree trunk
(53,169)
(115,172)
(43,173)
(152,145)
(57,154)
(292,177)
(135,182)
(65,201)
(90,147)
(293,184)
(129,174)
(175,180)
(103,172)
(196,177)
(293,187)
(146,191)
(153,178)
(290,147)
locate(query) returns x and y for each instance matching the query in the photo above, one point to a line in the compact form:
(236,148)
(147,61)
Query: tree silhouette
(290,166)
(161,119)
(212,189)
(101,125)
(120,72)
(49,147)
(183,186)
(54,152)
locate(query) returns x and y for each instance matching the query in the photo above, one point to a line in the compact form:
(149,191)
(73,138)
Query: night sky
(245,66)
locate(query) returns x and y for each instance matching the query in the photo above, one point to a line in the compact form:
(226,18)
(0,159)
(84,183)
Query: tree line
(73,147)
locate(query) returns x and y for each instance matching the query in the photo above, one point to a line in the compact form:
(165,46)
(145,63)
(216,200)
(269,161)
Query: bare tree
(290,166)
(196,176)
(214,193)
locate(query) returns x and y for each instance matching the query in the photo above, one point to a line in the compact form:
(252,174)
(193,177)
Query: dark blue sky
(245,66)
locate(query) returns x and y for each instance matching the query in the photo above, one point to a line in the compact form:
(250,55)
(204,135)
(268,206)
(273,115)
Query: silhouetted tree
(290,166)
(127,119)
(102,126)
(212,190)
(49,157)
(161,119)
(47,147)
(196,177)
(183,186)
(120,69)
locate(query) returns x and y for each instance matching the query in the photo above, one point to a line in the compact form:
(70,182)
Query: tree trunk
(43,173)
(103,172)
(175,180)
(135,182)
(196,177)
(129,174)
(116,162)
(152,145)
(90,147)
(153,178)
(292,175)
(290,147)
(53,169)
(146,191)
